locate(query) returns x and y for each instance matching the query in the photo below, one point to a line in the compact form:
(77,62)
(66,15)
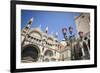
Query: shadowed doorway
(30,53)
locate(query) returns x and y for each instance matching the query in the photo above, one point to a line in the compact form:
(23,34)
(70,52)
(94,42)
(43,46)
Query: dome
(44,35)
(36,32)
(35,29)
(51,38)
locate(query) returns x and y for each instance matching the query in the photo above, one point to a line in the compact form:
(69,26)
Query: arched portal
(48,53)
(30,53)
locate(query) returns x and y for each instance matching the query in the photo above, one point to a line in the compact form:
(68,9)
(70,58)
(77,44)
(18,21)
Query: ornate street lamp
(70,30)
(72,39)
(64,30)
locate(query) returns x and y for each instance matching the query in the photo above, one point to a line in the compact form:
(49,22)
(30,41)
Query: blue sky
(54,20)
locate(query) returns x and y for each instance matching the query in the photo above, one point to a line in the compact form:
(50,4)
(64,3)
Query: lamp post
(64,30)
(71,39)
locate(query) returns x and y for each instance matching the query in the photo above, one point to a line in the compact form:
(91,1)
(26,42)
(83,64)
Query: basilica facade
(39,46)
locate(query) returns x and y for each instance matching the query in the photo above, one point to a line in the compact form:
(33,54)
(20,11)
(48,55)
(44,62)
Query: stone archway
(30,53)
(48,53)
